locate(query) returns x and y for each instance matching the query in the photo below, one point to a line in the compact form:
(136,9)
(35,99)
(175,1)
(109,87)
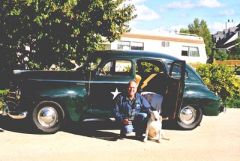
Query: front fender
(201,97)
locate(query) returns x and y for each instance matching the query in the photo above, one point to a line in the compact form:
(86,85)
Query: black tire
(48,116)
(189,117)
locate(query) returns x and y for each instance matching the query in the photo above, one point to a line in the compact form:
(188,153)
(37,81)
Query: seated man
(131,111)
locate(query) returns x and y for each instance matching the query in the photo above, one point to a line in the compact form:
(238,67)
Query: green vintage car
(49,98)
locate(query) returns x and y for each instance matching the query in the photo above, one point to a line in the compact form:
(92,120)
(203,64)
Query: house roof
(164,37)
(226,39)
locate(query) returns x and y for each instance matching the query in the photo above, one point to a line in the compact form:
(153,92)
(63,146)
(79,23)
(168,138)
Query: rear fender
(73,100)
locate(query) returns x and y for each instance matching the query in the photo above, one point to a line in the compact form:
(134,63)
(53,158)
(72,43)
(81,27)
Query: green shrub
(222,80)
(233,102)
(1,103)
(2,94)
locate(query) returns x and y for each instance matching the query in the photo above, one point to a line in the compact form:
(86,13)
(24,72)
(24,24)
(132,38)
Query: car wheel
(48,116)
(189,117)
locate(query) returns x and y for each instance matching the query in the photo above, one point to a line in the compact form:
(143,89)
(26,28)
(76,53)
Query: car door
(152,73)
(175,88)
(110,80)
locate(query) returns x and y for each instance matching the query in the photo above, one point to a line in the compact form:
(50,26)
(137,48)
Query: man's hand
(127,122)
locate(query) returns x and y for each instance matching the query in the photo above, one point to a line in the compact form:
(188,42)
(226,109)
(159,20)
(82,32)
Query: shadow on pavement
(106,130)
(19,126)
(94,129)
(103,129)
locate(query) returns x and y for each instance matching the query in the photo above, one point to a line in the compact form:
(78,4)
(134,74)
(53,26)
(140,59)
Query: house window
(185,51)
(193,51)
(130,45)
(165,43)
(190,51)
(137,46)
(123,45)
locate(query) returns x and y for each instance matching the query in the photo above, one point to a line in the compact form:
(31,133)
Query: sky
(171,15)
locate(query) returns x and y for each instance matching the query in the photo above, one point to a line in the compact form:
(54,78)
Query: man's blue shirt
(127,109)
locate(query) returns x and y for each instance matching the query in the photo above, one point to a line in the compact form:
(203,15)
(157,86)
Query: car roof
(131,54)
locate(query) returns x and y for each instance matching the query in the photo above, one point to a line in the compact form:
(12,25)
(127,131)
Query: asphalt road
(218,138)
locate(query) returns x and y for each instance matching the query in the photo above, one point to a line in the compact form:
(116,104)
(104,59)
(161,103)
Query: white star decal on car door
(115,93)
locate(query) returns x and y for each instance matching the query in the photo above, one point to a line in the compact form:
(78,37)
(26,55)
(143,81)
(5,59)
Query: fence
(233,63)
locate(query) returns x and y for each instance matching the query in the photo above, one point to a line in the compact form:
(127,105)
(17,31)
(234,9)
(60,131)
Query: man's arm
(117,113)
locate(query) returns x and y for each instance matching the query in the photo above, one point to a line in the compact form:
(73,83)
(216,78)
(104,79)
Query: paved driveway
(218,138)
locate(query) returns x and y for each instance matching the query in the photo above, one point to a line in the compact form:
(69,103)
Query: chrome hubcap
(47,116)
(188,115)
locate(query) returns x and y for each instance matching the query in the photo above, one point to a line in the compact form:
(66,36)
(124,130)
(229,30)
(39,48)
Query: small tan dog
(154,127)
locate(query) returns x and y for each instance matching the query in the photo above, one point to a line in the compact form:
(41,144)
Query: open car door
(175,88)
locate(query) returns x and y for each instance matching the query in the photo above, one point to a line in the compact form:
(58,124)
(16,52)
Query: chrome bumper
(13,114)
(17,115)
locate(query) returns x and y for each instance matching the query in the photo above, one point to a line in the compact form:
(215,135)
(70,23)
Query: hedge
(222,80)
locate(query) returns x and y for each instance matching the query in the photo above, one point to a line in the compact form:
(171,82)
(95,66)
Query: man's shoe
(122,136)
(139,136)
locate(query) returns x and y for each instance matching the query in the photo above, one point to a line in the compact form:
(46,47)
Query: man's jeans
(139,125)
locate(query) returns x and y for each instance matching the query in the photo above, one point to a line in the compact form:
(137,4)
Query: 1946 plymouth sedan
(48,98)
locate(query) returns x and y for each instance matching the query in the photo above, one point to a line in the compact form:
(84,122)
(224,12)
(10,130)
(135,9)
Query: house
(190,48)
(227,39)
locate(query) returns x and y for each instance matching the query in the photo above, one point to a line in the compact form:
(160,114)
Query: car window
(115,67)
(91,64)
(106,69)
(190,75)
(123,66)
(176,71)
(149,66)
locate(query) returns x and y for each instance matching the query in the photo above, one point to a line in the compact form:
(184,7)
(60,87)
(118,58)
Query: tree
(221,54)
(183,30)
(200,28)
(38,33)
